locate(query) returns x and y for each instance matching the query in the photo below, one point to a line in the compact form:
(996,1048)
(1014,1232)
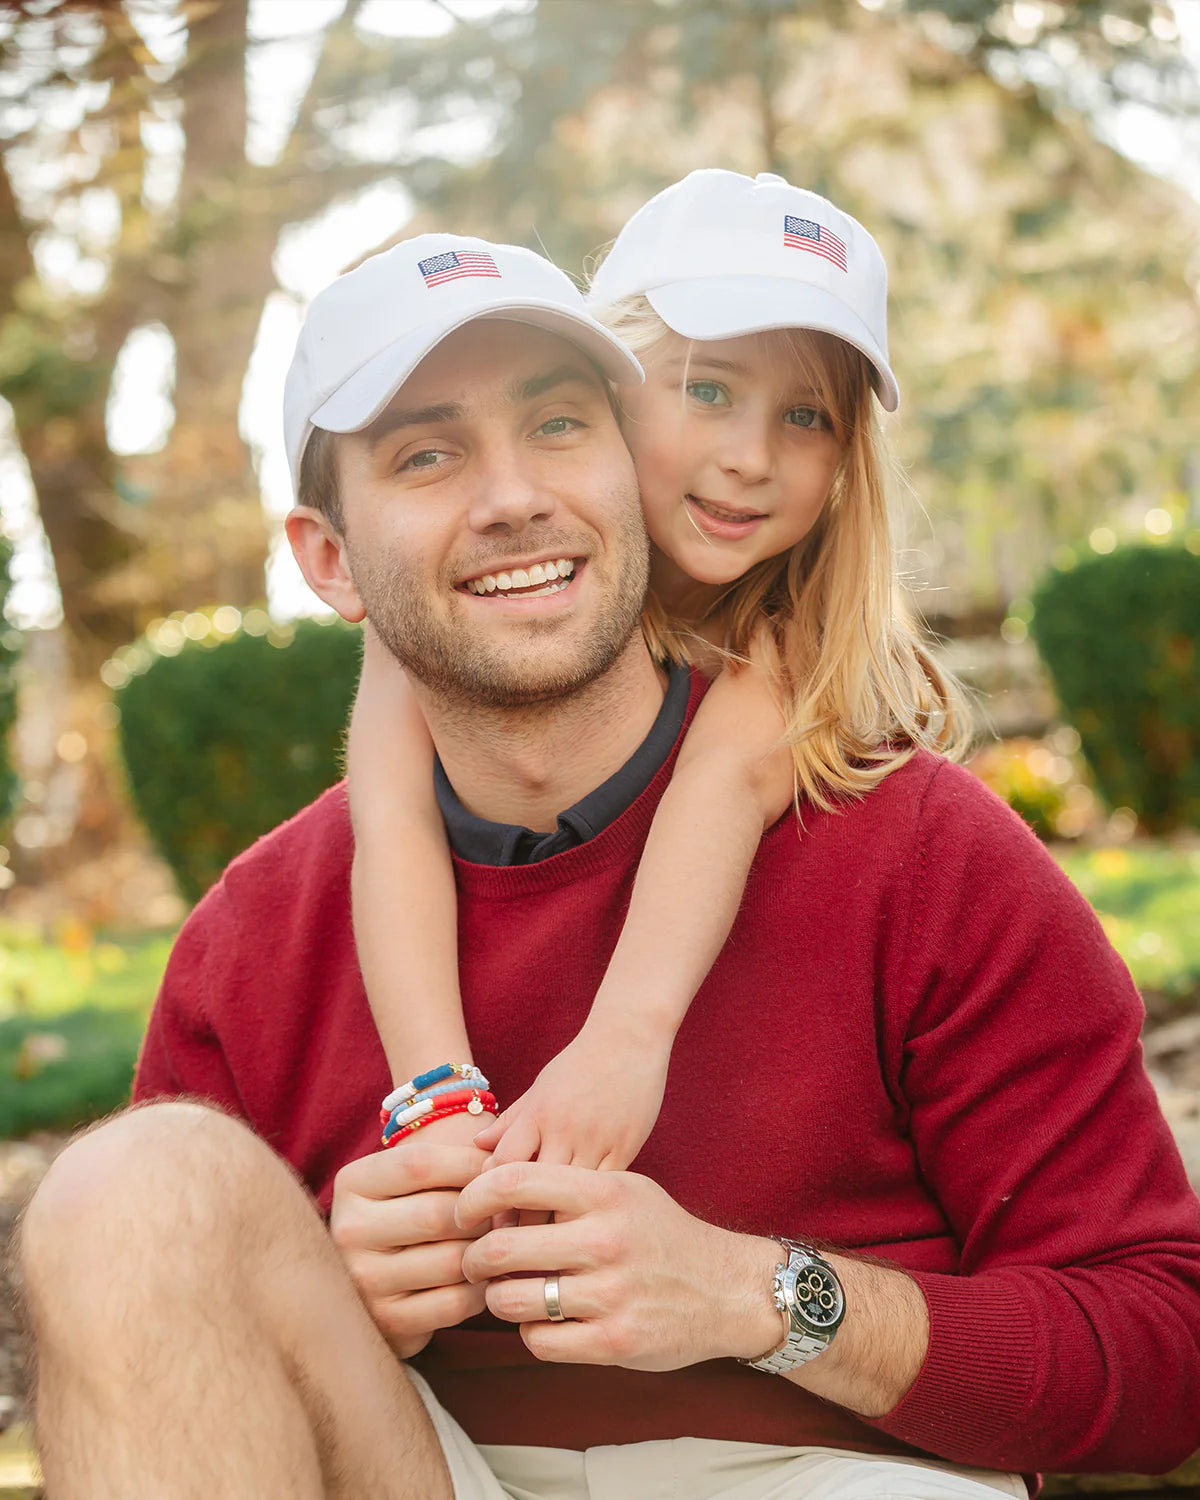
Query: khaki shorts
(697,1469)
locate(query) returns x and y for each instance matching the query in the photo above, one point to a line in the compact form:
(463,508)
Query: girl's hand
(591,1106)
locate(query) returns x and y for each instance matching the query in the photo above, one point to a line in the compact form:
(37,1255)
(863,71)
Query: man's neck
(527,765)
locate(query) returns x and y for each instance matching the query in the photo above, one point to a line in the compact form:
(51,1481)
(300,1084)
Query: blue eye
(560,426)
(426,459)
(806,416)
(708,392)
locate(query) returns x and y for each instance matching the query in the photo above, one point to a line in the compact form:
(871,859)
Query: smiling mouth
(730,513)
(543,578)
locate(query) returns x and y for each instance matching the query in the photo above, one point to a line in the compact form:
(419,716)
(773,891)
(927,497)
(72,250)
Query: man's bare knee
(177,1177)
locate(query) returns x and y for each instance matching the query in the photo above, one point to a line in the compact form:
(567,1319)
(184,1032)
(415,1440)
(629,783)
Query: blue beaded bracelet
(466,1071)
(477,1081)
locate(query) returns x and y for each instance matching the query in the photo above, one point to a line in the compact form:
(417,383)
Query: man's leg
(196,1333)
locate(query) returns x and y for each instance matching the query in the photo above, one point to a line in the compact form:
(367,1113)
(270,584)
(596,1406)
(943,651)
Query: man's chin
(511,685)
(522,668)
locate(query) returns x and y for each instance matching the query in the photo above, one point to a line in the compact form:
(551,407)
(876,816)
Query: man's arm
(180,1053)
(648,1286)
(1067,1336)
(881,1345)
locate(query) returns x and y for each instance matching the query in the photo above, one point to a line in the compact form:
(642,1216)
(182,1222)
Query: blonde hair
(861,691)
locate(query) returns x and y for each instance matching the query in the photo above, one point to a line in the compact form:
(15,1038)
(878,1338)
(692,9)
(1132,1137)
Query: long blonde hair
(861,692)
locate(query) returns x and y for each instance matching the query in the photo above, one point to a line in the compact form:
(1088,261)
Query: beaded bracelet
(455,1086)
(486,1103)
(409,1112)
(468,1099)
(466,1071)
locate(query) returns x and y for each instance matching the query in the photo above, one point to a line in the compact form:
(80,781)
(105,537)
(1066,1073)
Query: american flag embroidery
(804,234)
(456,263)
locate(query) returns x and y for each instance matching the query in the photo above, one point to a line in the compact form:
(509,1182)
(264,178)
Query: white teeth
(524,578)
(547,588)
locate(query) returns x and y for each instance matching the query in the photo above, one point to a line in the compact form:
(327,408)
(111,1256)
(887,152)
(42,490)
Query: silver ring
(553,1306)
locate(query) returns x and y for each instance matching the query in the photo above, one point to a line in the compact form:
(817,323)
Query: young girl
(758,311)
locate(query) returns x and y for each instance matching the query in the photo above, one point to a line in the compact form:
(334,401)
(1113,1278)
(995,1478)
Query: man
(916,1048)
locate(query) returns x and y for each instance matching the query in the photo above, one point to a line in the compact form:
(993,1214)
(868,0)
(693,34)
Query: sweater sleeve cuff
(969,1400)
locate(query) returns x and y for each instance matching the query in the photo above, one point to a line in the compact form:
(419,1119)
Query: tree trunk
(58,401)
(208,539)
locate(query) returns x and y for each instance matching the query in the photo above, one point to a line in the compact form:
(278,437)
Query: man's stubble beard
(461,666)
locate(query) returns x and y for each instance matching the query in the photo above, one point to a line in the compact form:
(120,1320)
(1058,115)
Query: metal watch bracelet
(800,1345)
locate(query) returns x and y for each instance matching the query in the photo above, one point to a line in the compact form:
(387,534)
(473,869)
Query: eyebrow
(537,385)
(679,363)
(519,391)
(705,361)
(418,416)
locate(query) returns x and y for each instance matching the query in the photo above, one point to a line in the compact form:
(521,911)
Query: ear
(321,554)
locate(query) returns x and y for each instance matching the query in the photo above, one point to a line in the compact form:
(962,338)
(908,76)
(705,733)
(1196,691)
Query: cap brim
(728,307)
(360,399)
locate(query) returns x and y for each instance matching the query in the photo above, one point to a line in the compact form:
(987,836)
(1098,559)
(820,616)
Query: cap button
(771,177)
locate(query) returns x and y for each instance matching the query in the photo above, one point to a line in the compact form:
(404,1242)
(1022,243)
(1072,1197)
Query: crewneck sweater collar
(627,831)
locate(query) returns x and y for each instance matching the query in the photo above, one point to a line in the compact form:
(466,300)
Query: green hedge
(1120,636)
(226,732)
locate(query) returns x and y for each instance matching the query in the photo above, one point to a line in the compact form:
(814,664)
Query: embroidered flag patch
(456,263)
(804,234)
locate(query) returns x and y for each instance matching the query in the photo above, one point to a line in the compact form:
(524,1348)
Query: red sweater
(935,1056)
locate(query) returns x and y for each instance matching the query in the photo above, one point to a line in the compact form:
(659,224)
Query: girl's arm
(405,910)
(596,1102)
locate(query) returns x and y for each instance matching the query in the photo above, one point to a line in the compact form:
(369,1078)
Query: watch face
(816,1296)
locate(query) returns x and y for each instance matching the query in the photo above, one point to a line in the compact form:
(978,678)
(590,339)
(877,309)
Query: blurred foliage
(227,732)
(1146,896)
(1040,782)
(73,1004)
(1044,323)
(10,650)
(1120,636)
(44,974)
(56,1077)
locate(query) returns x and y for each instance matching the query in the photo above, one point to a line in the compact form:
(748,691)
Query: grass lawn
(44,974)
(72,1008)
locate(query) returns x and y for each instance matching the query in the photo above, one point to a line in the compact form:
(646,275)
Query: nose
(747,450)
(506,495)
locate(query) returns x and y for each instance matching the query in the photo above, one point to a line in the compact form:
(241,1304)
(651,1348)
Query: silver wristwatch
(809,1295)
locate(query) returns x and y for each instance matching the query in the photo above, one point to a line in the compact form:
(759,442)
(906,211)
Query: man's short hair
(318,482)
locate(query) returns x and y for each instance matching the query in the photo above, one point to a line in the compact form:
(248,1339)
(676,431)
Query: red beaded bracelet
(487,1105)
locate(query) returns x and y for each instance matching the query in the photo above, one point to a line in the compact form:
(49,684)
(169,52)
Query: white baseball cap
(366,332)
(719,255)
